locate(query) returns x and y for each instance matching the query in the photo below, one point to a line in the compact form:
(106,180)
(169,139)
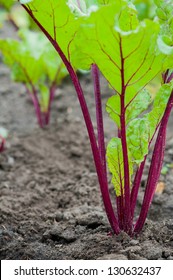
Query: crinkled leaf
(138,139)
(140,131)
(164,47)
(138,105)
(165,41)
(87,6)
(116,165)
(146,9)
(159,106)
(78,7)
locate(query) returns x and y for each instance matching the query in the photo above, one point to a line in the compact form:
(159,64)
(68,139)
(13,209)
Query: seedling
(35,63)
(3,136)
(107,36)
(2,143)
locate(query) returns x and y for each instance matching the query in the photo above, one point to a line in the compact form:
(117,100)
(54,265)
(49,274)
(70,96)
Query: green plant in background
(3,136)
(146,9)
(34,62)
(7,3)
(12,12)
(4,6)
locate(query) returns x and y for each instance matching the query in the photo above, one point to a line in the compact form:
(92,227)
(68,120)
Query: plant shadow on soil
(50,204)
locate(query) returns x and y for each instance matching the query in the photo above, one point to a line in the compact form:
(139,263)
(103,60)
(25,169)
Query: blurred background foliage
(146,9)
(12,11)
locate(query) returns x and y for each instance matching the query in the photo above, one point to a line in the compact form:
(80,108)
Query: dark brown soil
(50,204)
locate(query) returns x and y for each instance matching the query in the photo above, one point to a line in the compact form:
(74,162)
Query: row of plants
(34,63)
(130,45)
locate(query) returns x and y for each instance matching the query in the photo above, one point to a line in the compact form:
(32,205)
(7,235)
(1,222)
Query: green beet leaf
(66,20)
(64,24)
(34,62)
(116,165)
(7,3)
(146,9)
(165,42)
(122,47)
(25,60)
(141,130)
(137,105)
(113,108)
(138,139)
(160,102)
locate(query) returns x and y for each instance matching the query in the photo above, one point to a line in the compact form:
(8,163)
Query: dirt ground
(50,204)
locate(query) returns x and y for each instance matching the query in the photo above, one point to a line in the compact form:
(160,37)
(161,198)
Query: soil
(50,204)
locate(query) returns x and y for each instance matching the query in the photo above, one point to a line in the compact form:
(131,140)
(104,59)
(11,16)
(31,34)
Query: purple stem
(155,167)
(96,155)
(99,116)
(34,98)
(165,76)
(127,211)
(138,178)
(2,144)
(170,78)
(135,189)
(120,200)
(120,211)
(79,5)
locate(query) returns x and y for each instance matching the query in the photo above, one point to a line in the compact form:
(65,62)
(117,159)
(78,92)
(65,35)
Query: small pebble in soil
(166,254)
(58,233)
(75,152)
(92,220)
(11,161)
(134,242)
(151,252)
(169,224)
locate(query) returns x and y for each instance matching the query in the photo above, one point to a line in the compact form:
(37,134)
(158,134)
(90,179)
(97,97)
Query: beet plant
(2,143)
(107,36)
(3,136)
(34,62)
